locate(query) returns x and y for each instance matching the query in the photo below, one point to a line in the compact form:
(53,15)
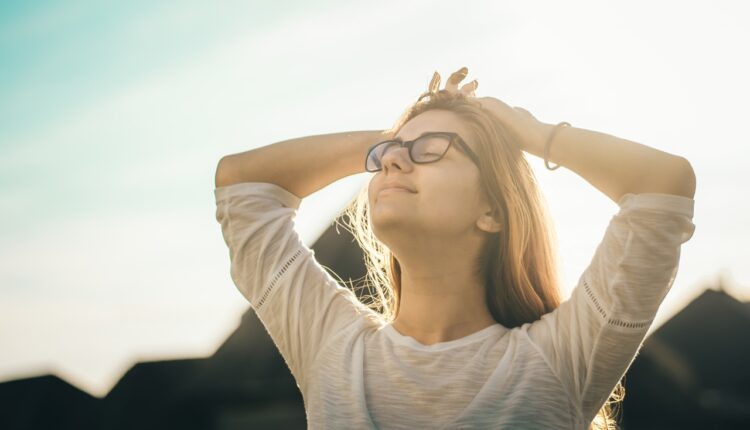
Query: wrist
(535,144)
(549,142)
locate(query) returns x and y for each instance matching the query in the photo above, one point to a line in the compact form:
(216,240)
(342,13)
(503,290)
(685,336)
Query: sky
(113,116)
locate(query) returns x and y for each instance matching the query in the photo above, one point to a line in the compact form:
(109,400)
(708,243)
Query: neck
(442,299)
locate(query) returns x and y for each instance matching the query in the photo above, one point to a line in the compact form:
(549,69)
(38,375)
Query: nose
(397,158)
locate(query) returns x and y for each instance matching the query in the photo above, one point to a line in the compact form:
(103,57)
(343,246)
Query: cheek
(456,204)
(370,192)
(453,201)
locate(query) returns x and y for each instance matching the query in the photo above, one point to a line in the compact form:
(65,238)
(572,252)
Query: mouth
(396,189)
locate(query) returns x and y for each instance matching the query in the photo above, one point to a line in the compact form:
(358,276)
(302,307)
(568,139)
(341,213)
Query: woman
(466,328)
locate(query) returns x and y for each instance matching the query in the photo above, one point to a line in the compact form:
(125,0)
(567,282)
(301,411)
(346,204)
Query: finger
(469,88)
(434,82)
(456,77)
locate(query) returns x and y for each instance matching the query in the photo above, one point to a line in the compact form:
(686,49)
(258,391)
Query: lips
(398,186)
(395,190)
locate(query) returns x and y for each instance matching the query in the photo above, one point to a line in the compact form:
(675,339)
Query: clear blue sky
(113,117)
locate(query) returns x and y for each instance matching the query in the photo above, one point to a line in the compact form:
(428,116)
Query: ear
(488,222)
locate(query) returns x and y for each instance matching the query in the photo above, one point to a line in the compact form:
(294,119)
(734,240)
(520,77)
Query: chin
(388,225)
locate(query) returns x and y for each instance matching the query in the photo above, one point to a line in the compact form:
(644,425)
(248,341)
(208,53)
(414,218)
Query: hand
(525,129)
(452,85)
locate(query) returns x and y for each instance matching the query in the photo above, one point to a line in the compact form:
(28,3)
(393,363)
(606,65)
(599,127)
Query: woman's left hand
(529,132)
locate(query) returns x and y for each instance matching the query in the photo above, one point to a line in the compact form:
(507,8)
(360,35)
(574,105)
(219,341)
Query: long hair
(518,263)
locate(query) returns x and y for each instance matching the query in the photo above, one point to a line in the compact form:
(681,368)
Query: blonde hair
(518,264)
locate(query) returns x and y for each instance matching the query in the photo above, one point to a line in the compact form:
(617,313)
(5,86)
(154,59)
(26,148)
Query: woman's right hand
(452,84)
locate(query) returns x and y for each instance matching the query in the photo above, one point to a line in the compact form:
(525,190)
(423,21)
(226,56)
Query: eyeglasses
(427,148)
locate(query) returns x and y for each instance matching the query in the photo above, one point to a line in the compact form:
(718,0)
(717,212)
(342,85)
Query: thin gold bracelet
(549,142)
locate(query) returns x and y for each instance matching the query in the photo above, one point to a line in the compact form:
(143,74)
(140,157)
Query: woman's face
(445,201)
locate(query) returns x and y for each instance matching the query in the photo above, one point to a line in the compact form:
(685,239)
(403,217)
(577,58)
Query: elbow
(685,185)
(673,175)
(221,178)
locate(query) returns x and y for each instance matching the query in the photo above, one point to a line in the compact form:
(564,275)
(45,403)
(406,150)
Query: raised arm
(257,194)
(617,166)
(302,165)
(612,165)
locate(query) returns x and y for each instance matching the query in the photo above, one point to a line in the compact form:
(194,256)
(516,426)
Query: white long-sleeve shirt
(357,372)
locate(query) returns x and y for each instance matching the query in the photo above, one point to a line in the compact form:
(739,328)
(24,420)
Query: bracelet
(549,141)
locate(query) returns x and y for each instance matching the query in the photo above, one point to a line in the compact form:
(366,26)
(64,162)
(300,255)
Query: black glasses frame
(409,144)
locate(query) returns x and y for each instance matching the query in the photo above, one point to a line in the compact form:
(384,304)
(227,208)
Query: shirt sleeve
(591,339)
(300,305)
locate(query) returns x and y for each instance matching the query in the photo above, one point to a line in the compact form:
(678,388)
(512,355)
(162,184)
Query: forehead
(435,120)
